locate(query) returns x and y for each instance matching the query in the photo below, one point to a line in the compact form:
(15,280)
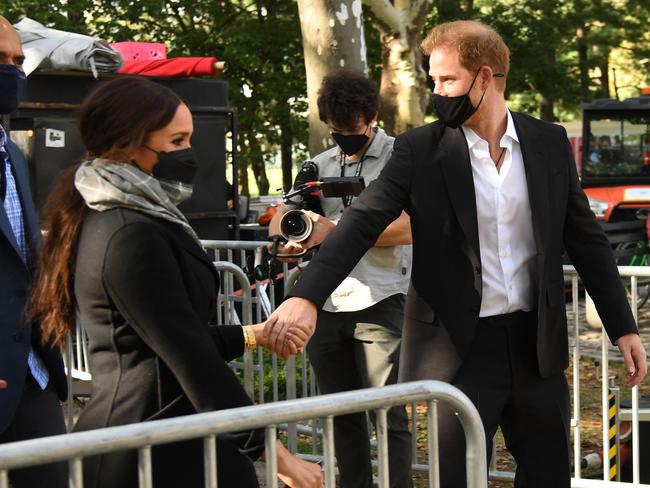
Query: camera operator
(358,334)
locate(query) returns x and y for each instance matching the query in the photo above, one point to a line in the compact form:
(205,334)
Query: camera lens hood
(296,226)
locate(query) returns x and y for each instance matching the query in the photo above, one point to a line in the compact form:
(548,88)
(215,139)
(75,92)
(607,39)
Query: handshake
(289,328)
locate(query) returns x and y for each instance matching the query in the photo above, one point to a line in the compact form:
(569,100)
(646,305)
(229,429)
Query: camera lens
(295,226)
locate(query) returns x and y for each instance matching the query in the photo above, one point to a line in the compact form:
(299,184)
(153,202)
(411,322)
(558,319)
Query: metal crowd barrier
(253,303)
(633,273)
(142,436)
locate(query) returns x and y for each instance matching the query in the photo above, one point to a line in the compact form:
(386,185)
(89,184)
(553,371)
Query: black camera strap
(347,200)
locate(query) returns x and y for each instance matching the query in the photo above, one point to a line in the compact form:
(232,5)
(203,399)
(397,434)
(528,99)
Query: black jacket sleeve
(591,253)
(143,279)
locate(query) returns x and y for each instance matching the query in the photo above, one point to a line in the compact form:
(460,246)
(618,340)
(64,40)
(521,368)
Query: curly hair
(344,96)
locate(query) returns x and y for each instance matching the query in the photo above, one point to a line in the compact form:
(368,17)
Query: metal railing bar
(133,436)
(577,458)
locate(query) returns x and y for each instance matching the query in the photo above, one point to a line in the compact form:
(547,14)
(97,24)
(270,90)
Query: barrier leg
(382,450)
(271,456)
(328,452)
(432,441)
(210,461)
(145,477)
(75,475)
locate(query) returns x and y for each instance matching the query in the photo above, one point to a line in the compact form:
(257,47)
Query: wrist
(258,332)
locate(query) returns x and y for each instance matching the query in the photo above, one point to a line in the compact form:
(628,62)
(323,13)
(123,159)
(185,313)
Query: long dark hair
(114,119)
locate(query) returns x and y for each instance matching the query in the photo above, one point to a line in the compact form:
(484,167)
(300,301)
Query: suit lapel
(537,178)
(453,156)
(30,218)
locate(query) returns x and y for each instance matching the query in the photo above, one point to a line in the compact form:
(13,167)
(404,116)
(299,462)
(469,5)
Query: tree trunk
(546,105)
(259,172)
(604,74)
(402,95)
(332,38)
(242,179)
(582,63)
(286,144)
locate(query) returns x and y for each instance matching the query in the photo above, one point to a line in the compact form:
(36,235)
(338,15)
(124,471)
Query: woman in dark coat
(120,252)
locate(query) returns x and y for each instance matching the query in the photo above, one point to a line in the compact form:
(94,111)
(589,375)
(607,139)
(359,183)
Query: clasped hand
(289,328)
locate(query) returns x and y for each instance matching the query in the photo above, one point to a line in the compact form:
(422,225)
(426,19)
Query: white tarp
(59,50)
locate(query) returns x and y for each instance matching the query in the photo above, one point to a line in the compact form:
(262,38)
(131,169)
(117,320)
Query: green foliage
(563,52)
(260,40)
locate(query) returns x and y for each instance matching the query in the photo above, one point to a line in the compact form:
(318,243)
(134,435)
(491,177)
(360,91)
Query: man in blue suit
(32,379)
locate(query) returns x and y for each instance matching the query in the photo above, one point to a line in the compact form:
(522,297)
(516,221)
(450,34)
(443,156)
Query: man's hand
(288,248)
(3,384)
(635,358)
(290,326)
(322,228)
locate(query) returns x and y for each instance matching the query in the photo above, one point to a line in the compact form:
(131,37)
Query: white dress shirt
(505,230)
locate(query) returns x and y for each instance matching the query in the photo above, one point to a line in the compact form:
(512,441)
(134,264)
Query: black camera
(295,225)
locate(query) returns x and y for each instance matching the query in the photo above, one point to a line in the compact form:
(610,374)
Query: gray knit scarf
(105,184)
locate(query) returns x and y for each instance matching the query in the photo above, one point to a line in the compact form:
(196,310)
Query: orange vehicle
(613,155)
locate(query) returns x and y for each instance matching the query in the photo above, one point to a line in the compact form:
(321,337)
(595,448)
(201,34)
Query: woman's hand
(288,348)
(296,472)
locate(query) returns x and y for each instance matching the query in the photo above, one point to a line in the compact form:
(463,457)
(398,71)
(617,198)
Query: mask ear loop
(494,75)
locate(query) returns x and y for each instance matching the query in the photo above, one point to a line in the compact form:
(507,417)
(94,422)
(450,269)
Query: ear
(486,77)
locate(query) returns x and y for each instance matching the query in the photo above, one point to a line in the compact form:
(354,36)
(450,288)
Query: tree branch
(389,19)
(417,13)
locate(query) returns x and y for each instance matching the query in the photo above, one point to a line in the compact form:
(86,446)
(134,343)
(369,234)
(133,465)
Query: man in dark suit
(494,199)
(31,373)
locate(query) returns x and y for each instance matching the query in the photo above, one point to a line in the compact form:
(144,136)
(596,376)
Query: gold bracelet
(250,342)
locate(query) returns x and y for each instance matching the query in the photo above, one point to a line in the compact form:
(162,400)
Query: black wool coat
(146,293)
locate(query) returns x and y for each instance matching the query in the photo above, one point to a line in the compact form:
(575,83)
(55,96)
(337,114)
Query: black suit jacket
(146,293)
(16,335)
(429,175)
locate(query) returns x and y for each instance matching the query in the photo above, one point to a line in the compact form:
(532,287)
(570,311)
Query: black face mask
(454,111)
(350,144)
(12,85)
(179,166)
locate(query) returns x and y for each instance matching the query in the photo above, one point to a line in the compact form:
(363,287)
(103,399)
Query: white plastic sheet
(59,50)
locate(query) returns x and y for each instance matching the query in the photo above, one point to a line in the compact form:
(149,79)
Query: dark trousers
(501,377)
(39,414)
(353,350)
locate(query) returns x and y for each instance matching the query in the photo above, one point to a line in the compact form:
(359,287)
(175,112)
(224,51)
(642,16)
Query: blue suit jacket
(16,335)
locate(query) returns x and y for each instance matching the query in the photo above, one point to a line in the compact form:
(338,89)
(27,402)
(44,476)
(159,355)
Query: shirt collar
(507,139)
